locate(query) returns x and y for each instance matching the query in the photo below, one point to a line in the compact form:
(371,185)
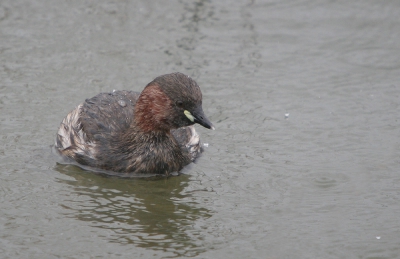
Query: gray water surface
(305,161)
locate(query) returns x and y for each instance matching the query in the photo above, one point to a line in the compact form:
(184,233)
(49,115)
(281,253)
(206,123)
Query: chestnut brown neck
(151,109)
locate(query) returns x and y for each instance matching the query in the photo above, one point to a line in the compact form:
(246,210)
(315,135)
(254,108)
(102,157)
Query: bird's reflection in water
(150,213)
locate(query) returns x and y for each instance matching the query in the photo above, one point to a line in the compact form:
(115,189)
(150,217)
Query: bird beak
(197,116)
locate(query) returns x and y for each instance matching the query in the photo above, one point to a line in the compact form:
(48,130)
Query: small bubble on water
(205,144)
(378,238)
(286,115)
(122,103)
(114,90)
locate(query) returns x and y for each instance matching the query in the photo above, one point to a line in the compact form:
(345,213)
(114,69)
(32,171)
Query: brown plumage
(131,133)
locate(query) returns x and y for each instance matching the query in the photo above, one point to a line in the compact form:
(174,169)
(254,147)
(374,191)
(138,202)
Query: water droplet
(205,144)
(286,115)
(122,103)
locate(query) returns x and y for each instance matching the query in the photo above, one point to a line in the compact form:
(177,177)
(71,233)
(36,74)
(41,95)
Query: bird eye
(179,104)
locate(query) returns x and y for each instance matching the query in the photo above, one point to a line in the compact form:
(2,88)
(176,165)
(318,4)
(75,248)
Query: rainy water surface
(304,161)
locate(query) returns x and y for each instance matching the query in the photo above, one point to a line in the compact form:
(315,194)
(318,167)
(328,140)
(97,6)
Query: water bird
(132,133)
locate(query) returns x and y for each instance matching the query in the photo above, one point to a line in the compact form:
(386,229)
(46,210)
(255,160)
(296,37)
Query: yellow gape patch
(189,115)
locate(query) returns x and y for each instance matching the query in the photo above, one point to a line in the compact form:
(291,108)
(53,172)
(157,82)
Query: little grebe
(131,133)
